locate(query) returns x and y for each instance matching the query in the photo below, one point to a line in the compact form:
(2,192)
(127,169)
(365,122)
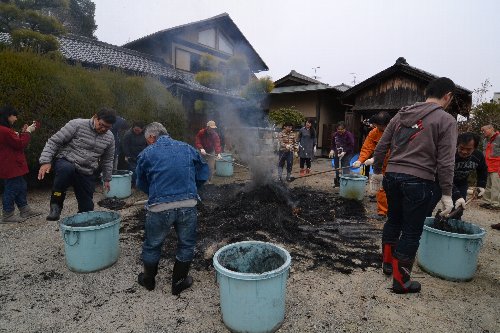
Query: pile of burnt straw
(318,228)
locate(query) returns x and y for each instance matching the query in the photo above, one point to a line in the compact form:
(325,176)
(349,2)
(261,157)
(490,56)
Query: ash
(317,228)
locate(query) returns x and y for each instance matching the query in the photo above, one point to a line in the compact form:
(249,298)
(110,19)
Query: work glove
(341,154)
(480,191)
(356,164)
(202,151)
(126,159)
(369,161)
(288,147)
(219,157)
(296,154)
(460,202)
(31,128)
(447,203)
(330,155)
(314,150)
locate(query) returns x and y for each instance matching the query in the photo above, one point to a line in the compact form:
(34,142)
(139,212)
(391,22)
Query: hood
(409,115)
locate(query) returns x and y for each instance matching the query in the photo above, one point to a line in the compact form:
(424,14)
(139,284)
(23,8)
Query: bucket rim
(126,173)
(454,234)
(65,227)
(251,276)
(354,177)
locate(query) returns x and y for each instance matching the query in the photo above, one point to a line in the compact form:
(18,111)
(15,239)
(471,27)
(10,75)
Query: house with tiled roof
(391,89)
(317,101)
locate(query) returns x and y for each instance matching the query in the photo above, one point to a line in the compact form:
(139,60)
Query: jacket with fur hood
(422,139)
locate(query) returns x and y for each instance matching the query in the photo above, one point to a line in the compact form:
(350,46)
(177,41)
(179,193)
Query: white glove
(460,202)
(219,157)
(481,191)
(296,154)
(31,128)
(341,154)
(447,203)
(356,164)
(314,150)
(202,151)
(126,159)
(288,147)
(369,161)
(330,155)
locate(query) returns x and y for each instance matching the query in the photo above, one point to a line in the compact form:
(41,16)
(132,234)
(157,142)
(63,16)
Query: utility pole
(315,76)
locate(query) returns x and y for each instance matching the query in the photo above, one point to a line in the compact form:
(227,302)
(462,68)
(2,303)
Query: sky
(344,41)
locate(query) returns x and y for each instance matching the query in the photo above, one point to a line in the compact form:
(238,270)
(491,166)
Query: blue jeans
(408,199)
(285,156)
(436,197)
(157,228)
(15,191)
(84,185)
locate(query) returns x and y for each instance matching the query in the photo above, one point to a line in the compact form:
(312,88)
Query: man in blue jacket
(169,172)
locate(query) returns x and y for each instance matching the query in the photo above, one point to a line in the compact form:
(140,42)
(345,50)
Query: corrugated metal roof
(309,87)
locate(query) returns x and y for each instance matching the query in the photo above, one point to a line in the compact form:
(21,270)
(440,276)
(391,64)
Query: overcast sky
(454,38)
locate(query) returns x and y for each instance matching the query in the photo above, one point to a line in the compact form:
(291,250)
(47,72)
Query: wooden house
(317,101)
(390,90)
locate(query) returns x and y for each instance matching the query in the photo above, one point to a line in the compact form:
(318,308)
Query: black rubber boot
(180,278)
(401,277)
(387,250)
(56,205)
(147,279)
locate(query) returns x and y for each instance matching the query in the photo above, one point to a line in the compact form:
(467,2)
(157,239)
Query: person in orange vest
(380,120)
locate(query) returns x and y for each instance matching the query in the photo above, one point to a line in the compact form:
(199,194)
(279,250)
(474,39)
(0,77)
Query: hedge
(54,92)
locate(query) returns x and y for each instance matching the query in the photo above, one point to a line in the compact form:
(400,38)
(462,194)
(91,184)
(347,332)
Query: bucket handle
(67,232)
(473,245)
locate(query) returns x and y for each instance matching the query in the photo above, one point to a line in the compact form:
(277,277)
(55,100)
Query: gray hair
(155,129)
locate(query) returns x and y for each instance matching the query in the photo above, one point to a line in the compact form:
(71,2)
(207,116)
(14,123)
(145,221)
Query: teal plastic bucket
(450,255)
(252,279)
(224,166)
(120,185)
(352,186)
(91,240)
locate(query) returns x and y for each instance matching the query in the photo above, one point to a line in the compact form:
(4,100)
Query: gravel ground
(39,294)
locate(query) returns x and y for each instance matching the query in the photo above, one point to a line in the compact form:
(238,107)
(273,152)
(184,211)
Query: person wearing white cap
(207,141)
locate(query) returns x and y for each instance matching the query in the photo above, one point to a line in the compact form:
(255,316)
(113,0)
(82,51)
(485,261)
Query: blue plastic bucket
(352,186)
(449,255)
(91,240)
(224,166)
(120,185)
(252,279)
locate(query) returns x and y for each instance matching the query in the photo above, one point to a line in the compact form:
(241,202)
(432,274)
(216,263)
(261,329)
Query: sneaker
(496,226)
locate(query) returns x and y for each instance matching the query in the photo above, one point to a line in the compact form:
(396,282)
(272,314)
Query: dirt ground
(38,293)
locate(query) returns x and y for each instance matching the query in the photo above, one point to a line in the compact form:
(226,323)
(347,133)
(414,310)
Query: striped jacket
(79,143)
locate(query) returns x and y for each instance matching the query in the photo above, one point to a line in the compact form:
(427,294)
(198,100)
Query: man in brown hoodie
(422,139)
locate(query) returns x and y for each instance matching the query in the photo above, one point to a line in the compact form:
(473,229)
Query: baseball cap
(211,124)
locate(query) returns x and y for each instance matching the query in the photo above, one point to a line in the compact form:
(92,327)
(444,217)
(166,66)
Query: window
(207,37)
(225,45)
(182,60)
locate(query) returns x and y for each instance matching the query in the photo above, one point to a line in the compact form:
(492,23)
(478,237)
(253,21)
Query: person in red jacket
(207,141)
(14,167)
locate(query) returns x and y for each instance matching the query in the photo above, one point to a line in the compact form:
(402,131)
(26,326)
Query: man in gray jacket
(75,153)
(422,140)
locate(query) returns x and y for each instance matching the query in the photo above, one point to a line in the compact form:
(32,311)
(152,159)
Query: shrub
(25,39)
(54,92)
(256,90)
(210,79)
(208,62)
(284,115)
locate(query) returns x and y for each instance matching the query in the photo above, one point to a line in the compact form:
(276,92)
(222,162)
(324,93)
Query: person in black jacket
(467,159)
(133,143)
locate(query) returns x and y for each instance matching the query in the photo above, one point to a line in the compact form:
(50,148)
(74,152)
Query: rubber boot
(302,172)
(11,218)
(336,182)
(387,250)
(308,171)
(401,279)
(147,278)
(56,205)
(288,176)
(27,212)
(280,174)
(180,278)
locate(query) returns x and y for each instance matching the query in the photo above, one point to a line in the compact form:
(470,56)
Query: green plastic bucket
(450,255)
(352,186)
(91,240)
(120,185)
(224,166)
(252,279)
